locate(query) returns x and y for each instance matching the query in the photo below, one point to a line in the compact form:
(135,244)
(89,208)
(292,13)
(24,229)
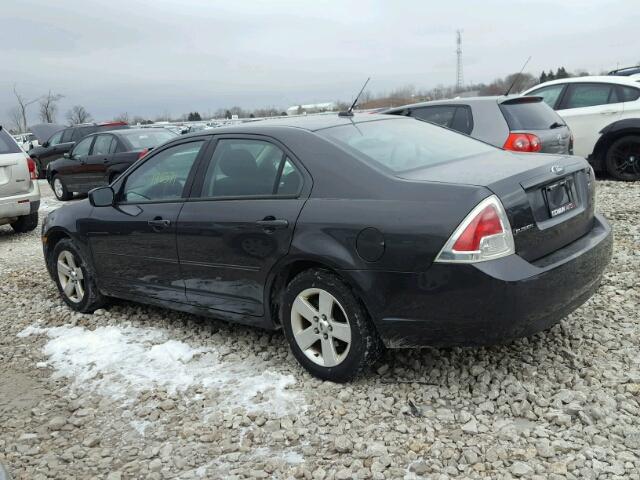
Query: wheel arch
(609,134)
(49,242)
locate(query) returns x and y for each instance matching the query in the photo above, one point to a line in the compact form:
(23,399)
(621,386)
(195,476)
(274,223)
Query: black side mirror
(45,144)
(102,197)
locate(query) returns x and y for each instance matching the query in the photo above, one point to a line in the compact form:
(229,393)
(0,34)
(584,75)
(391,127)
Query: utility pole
(459,77)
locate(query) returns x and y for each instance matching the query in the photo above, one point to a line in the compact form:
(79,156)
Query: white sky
(147,57)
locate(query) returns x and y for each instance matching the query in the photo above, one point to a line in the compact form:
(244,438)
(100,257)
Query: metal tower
(459,77)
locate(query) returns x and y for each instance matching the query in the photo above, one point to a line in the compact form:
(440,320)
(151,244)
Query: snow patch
(120,362)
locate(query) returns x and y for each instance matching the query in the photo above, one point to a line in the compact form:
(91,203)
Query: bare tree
(16,119)
(123,117)
(78,114)
(49,107)
(23,104)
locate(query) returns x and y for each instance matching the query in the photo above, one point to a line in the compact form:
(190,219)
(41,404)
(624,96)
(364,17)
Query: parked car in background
(604,116)
(19,191)
(522,124)
(62,141)
(99,159)
(26,141)
(626,72)
(346,232)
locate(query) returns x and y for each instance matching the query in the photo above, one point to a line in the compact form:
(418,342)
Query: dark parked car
(349,233)
(522,124)
(62,141)
(100,158)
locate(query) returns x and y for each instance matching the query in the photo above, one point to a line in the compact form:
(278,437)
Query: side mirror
(45,144)
(66,155)
(102,197)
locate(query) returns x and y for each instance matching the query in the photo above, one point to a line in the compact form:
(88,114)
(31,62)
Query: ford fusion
(351,234)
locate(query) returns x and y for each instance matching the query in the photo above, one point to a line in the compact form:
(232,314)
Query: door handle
(158,223)
(271,223)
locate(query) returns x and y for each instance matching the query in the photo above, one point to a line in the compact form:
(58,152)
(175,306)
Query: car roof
(122,131)
(310,123)
(497,99)
(632,82)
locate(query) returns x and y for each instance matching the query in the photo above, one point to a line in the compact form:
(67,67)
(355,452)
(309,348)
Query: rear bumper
(489,302)
(21,204)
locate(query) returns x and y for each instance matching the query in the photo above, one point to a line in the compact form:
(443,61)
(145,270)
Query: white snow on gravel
(119,362)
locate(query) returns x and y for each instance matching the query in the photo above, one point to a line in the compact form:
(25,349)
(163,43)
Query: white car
(603,114)
(19,191)
(26,141)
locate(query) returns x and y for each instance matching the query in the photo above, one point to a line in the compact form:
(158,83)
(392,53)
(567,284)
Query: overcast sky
(147,57)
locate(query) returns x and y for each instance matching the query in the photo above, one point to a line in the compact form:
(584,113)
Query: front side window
(549,95)
(440,115)
(55,139)
(163,176)
(82,148)
(242,167)
(589,95)
(103,145)
(398,145)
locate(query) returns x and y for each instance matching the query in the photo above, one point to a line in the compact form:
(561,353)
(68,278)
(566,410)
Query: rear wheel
(74,278)
(327,328)
(60,189)
(26,223)
(623,158)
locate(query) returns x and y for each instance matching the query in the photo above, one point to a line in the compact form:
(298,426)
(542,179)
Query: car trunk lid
(549,199)
(14,174)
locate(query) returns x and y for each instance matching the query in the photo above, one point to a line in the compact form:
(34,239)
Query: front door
(93,172)
(238,223)
(73,172)
(133,243)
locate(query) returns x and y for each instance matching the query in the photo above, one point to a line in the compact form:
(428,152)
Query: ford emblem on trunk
(557,169)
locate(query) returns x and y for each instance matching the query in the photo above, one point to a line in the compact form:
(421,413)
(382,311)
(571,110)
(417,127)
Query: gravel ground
(140,392)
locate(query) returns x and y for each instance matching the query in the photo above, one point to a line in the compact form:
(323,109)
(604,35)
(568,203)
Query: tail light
(522,142)
(485,234)
(33,174)
(143,153)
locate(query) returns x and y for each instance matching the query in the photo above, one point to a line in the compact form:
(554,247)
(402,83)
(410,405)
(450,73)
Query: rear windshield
(8,144)
(150,139)
(401,145)
(530,115)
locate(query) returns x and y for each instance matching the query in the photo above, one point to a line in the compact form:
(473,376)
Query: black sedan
(98,159)
(350,234)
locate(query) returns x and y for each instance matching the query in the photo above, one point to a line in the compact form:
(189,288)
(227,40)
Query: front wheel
(60,189)
(623,158)
(327,328)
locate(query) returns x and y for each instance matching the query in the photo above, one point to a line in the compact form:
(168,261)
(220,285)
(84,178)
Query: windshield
(401,145)
(148,139)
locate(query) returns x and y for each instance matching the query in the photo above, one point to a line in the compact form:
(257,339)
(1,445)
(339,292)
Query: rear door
(94,166)
(587,108)
(73,172)
(14,171)
(239,222)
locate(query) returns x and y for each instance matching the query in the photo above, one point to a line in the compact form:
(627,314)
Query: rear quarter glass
(8,144)
(529,116)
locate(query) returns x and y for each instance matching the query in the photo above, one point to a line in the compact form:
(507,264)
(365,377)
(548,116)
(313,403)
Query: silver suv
(19,191)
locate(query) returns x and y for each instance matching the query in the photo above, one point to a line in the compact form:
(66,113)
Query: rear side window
(104,145)
(529,115)
(589,95)
(462,120)
(440,115)
(67,135)
(629,94)
(8,144)
(399,145)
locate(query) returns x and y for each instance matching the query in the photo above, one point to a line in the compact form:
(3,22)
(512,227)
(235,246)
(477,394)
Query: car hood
(43,131)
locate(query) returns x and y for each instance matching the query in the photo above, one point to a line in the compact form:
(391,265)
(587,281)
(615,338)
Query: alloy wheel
(58,189)
(70,276)
(626,159)
(320,327)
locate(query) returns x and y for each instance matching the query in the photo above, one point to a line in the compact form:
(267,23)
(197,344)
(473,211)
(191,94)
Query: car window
(55,139)
(8,144)
(398,145)
(549,94)
(440,115)
(103,145)
(462,120)
(589,95)
(529,114)
(81,132)
(290,180)
(82,148)
(67,135)
(163,176)
(629,94)
(241,167)
(148,139)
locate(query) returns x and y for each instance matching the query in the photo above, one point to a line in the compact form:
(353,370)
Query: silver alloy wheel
(57,187)
(70,276)
(320,327)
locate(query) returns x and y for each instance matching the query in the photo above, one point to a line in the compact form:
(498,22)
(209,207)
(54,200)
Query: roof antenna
(517,77)
(349,113)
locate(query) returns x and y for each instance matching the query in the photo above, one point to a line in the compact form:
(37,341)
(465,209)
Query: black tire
(365,346)
(64,194)
(92,298)
(26,223)
(623,159)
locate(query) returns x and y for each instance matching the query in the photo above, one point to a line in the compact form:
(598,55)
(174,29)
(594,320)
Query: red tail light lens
(143,153)
(522,142)
(485,234)
(33,174)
